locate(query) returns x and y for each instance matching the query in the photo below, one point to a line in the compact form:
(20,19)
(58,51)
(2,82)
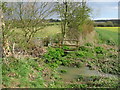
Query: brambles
(88,44)
(63,71)
(100,50)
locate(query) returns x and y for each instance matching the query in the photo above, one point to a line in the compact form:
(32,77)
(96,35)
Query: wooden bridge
(74,46)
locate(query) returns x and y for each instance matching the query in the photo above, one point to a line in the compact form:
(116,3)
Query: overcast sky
(102,10)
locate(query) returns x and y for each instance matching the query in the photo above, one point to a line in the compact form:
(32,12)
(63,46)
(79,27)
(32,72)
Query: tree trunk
(5,41)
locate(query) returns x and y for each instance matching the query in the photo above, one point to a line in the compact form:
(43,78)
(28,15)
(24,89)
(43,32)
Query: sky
(104,10)
(101,10)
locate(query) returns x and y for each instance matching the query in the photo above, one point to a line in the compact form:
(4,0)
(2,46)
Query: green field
(105,33)
(108,33)
(113,29)
(48,31)
(45,32)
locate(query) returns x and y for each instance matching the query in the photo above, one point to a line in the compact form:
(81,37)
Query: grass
(31,73)
(108,33)
(113,29)
(49,31)
(22,73)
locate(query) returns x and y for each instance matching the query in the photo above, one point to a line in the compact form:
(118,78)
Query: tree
(61,9)
(32,17)
(6,31)
(109,24)
(29,17)
(73,16)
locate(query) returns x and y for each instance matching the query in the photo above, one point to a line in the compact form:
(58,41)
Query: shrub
(65,48)
(54,56)
(100,50)
(110,42)
(80,77)
(53,53)
(65,61)
(63,71)
(46,41)
(83,48)
(109,24)
(88,44)
(81,53)
(77,86)
(57,38)
(78,64)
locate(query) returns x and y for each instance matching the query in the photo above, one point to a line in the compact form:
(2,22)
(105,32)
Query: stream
(85,71)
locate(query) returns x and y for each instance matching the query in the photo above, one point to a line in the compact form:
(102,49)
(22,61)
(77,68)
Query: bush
(77,86)
(53,53)
(109,24)
(100,24)
(63,71)
(46,41)
(110,42)
(54,56)
(100,50)
(78,64)
(88,44)
(57,38)
(79,77)
(65,48)
(83,48)
(81,53)
(65,61)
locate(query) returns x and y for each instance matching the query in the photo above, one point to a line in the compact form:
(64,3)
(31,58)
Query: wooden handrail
(71,40)
(67,45)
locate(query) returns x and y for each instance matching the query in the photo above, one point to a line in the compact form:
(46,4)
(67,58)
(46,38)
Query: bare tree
(32,17)
(6,31)
(29,17)
(73,16)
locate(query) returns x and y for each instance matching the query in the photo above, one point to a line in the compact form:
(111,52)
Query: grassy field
(48,31)
(108,33)
(113,29)
(105,33)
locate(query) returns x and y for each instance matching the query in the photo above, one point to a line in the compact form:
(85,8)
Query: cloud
(110,8)
(102,0)
(115,7)
(59,0)
(104,18)
(104,10)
